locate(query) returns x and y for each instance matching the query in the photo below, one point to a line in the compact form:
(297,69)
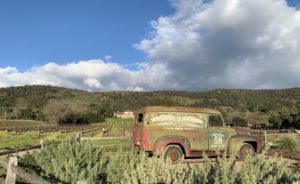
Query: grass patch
(119,122)
(286,142)
(119,127)
(109,142)
(115,132)
(17,141)
(20,122)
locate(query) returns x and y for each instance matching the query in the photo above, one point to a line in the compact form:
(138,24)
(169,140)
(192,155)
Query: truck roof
(179,109)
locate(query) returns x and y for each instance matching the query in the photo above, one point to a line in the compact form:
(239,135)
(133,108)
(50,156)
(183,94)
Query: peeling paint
(189,128)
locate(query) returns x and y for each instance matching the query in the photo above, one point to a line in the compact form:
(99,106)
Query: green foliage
(261,170)
(286,118)
(70,162)
(119,122)
(132,168)
(54,104)
(224,171)
(74,119)
(19,122)
(119,127)
(238,121)
(288,143)
(17,141)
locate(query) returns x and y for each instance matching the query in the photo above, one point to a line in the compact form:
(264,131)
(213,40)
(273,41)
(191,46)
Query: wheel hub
(247,151)
(173,155)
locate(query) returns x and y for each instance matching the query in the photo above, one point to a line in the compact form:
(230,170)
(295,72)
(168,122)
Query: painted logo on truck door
(217,138)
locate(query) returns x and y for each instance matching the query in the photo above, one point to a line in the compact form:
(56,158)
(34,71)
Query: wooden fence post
(10,175)
(82,182)
(77,138)
(266,141)
(266,137)
(42,143)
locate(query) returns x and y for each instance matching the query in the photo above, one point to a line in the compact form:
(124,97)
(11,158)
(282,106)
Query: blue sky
(152,44)
(294,3)
(36,32)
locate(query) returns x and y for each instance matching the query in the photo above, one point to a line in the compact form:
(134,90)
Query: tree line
(272,108)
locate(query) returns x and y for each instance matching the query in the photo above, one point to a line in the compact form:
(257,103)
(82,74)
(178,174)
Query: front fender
(237,141)
(164,141)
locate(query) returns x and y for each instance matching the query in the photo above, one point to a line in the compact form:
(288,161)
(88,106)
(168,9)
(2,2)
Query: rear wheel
(174,153)
(245,150)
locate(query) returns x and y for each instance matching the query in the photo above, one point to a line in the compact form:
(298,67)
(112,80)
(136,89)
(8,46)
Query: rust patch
(190,128)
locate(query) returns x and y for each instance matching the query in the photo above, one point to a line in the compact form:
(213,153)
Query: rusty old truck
(186,132)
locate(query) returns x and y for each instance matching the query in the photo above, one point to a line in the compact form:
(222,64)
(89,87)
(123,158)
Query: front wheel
(174,153)
(245,150)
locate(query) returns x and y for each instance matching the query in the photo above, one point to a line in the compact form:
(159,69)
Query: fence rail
(2,153)
(48,128)
(107,138)
(13,170)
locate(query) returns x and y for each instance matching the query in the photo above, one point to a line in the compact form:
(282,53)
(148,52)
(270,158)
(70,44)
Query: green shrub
(237,121)
(259,169)
(287,143)
(224,171)
(139,168)
(132,168)
(71,161)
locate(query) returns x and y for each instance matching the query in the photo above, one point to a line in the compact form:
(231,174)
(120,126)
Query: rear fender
(163,142)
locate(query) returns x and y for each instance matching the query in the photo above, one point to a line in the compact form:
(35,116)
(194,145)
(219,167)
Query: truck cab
(187,132)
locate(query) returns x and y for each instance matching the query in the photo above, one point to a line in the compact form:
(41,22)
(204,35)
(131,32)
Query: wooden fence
(48,128)
(34,147)
(12,171)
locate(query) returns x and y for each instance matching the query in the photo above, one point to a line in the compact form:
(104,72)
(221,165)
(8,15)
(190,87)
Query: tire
(174,153)
(245,150)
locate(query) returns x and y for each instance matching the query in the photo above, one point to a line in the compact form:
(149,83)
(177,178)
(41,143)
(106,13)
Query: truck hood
(242,130)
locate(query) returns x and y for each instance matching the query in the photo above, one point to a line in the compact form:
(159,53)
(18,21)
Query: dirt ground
(293,157)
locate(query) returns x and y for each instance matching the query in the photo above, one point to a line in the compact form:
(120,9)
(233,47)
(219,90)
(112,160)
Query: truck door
(138,129)
(217,133)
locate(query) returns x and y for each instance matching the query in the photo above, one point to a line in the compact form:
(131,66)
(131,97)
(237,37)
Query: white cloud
(93,83)
(224,43)
(91,75)
(227,43)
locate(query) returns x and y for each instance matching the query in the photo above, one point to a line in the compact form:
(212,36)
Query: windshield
(215,120)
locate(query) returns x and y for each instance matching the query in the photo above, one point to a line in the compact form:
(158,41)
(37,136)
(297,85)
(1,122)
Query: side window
(140,118)
(215,120)
(197,120)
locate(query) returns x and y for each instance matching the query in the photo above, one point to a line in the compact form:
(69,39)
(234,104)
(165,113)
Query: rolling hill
(57,104)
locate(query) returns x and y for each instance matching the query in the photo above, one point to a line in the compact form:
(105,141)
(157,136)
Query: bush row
(69,162)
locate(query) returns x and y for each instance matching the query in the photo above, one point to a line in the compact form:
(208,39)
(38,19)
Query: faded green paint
(196,130)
